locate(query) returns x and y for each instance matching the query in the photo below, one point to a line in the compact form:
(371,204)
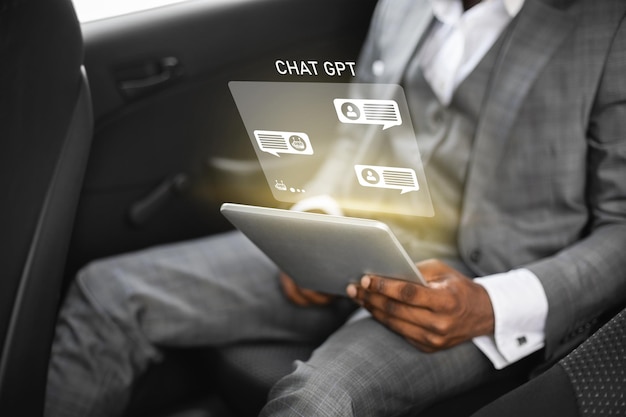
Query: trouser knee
(332,389)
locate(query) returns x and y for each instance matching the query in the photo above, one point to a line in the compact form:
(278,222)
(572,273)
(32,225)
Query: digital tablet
(323,252)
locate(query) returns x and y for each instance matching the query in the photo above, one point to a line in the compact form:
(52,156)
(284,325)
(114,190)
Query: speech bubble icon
(277,142)
(393,178)
(368,112)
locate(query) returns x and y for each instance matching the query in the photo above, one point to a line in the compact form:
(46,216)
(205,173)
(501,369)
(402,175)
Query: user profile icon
(370,176)
(350,110)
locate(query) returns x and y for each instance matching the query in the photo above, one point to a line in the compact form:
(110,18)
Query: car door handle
(148,76)
(140,211)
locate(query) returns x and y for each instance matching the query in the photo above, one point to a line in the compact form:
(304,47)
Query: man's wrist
(520,309)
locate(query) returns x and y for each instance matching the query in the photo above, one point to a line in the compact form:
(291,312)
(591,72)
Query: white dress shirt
(456,44)
(459,40)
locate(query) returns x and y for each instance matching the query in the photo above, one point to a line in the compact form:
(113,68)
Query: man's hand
(450,310)
(302,296)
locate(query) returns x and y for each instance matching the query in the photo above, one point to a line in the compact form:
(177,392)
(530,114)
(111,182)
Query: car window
(89,10)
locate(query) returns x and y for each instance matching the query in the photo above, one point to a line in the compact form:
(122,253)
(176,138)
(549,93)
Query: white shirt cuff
(520,308)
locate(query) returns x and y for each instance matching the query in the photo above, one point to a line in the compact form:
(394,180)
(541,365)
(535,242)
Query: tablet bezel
(323,252)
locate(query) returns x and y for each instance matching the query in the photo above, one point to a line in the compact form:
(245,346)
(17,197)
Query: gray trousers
(220,290)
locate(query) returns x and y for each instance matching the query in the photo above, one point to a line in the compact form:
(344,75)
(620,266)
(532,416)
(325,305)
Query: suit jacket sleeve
(588,277)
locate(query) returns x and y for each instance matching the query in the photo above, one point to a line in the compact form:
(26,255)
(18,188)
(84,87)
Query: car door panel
(169,144)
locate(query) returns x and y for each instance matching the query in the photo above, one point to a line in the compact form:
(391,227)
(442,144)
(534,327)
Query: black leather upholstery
(597,370)
(45,134)
(590,381)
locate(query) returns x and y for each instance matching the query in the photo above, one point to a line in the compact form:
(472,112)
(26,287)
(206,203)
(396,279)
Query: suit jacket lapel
(538,30)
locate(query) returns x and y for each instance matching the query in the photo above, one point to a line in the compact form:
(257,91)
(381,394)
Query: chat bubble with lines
(369,112)
(393,178)
(277,142)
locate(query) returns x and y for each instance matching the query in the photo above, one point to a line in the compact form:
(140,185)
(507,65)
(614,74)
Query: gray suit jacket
(546,187)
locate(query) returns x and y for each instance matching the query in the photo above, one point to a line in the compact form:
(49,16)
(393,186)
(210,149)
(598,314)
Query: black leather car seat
(590,381)
(45,135)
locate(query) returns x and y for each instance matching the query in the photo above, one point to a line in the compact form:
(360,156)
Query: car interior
(121,134)
(45,136)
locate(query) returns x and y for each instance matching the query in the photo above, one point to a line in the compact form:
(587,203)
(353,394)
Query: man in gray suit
(520,112)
